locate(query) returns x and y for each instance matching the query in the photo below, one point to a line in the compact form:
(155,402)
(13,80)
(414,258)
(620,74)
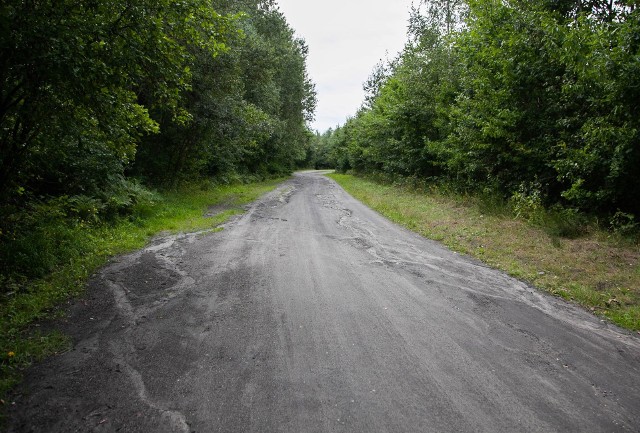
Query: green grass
(81,249)
(592,267)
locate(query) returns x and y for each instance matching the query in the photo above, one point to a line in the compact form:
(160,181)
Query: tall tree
(248,107)
(76,81)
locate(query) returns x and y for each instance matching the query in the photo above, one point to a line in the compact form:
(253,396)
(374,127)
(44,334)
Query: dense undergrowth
(59,244)
(562,252)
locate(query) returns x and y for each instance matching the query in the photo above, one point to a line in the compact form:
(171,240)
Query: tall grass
(560,251)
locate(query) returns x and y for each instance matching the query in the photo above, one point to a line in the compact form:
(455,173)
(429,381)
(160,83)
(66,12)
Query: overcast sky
(346,39)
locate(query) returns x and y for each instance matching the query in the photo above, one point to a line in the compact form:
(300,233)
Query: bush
(46,233)
(625,224)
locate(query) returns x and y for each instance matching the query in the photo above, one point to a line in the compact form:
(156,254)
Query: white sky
(346,39)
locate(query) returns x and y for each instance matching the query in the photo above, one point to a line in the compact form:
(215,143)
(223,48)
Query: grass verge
(596,270)
(88,247)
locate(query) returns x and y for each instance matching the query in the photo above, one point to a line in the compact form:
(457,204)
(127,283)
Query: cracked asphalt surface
(312,313)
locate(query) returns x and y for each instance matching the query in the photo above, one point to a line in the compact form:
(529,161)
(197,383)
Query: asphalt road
(312,313)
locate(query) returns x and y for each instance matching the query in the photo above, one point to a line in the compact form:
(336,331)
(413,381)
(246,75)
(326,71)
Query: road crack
(163,255)
(176,419)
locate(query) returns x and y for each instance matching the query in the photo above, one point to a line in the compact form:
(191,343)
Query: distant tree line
(537,100)
(99,99)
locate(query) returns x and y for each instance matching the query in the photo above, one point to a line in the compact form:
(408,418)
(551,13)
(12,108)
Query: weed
(625,224)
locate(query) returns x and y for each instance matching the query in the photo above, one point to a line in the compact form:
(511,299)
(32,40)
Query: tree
(248,106)
(78,79)
(525,98)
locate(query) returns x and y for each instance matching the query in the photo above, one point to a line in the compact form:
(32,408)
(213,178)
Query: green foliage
(248,106)
(536,101)
(625,224)
(79,79)
(95,94)
(44,235)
